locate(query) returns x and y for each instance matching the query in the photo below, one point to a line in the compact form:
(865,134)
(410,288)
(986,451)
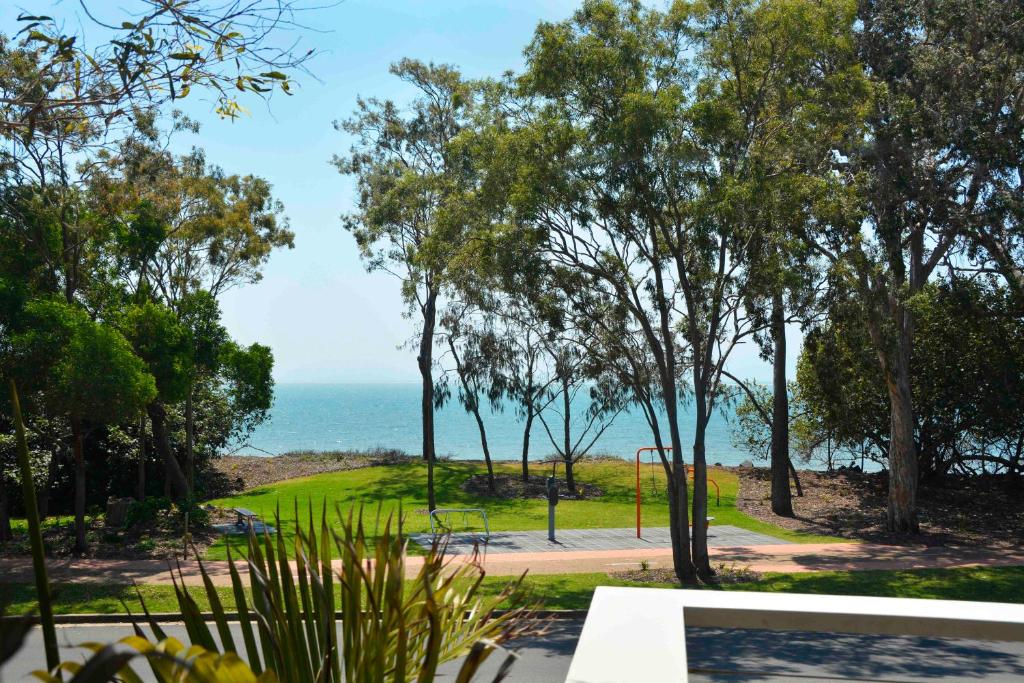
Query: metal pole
(552,487)
(638,492)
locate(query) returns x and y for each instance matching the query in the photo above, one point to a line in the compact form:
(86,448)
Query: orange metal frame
(689,471)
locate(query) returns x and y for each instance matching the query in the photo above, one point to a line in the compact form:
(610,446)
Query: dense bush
(967,377)
(146,512)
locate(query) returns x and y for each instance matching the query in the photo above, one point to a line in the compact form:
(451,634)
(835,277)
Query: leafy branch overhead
(157,52)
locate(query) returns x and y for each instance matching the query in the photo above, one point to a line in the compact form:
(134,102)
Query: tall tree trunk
(679,515)
(782,501)
(487,451)
(78,447)
(570,479)
(664,351)
(902,515)
(52,469)
(190,459)
(140,483)
(526,443)
(473,399)
(425,361)
(6,533)
(567,437)
(701,557)
(176,480)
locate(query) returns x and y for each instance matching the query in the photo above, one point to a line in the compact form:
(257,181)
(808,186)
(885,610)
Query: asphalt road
(714,654)
(540,660)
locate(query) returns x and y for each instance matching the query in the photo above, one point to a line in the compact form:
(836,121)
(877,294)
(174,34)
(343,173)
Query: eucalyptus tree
(154,52)
(778,78)
(189,232)
(610,86)
(474,350)
(635,159)
(932,173)
(524,376)
(577,380)
(413,213)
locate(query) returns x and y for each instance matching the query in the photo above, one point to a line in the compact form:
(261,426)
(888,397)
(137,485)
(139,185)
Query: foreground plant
(371,626)
(169,659)
(296,625)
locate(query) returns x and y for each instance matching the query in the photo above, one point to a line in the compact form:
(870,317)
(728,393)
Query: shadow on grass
(1003,584)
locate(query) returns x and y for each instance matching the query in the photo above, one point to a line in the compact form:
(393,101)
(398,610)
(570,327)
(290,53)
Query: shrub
(145,512)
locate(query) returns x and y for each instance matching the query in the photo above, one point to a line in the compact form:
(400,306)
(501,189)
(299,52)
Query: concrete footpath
(787,557)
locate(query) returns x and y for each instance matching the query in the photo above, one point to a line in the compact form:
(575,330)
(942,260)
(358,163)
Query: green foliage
(165,345)
(168,659)
(84,368)
(199,312)
(250,384)
(412,209)
(752,432)
(154,53)
(99,378)
(145,512)
(140,237)
(35,338)
(965,373)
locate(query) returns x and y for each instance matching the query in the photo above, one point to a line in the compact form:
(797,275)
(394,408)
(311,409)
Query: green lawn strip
(394,486)
(573,591)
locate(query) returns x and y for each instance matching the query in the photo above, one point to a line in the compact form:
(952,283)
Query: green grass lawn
(573,591)
(405,485)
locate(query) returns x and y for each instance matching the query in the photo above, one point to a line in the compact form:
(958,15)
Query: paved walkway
(779,557)
(719,536)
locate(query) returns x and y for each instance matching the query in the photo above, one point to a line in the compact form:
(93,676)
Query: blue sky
(326,319)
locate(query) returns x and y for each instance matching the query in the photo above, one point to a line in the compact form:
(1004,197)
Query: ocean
(325,417)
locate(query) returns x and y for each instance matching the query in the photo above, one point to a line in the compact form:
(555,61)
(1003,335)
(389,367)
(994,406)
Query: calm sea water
(327,417)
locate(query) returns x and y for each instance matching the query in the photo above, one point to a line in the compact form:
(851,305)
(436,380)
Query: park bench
(442,518)
(246,517)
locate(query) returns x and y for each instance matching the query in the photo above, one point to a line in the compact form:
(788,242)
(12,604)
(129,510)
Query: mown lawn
(573,591)
(404,485)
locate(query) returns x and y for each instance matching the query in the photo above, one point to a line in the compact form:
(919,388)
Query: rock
(117,511)
(746,463)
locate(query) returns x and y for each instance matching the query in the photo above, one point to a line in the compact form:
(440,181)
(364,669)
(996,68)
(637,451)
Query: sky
(325,318)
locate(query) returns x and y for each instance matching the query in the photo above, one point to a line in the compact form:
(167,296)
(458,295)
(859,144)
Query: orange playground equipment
(689,472)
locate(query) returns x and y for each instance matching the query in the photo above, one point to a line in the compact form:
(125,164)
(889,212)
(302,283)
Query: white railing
(638,634)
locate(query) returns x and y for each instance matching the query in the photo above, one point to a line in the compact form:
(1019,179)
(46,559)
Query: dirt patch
(724,574)
(512,486)
(235,473)
(974,511)
(160,538)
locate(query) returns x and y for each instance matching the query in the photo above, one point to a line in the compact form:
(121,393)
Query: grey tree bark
(425,362)
(782,501)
